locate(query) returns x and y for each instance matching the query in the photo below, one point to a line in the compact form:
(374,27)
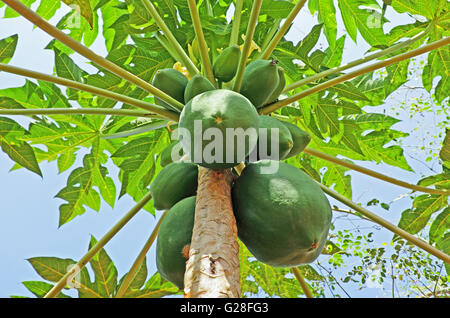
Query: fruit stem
(98,246)
(171,38)
(247,44)
(366,59)
(395,229)
(270,34)
(38,21)
(201,42)
(374,174)
(302,282)
(236,22)
(92,89)
(279,35)
(424,49)
(140,259)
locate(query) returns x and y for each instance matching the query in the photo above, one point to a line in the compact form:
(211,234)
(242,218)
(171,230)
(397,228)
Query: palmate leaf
(53,269)
(79,191)
(105,283)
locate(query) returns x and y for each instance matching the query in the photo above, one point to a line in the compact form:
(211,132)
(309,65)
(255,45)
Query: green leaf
(11,13)
(415,219)
(104,270)
(48,8)
(156,287)
(327,16)
(440,225)
(8,47)
(19,151)
(137,280)
(374,147)
(444,245)
(367,21)
(82,7)
(40,289)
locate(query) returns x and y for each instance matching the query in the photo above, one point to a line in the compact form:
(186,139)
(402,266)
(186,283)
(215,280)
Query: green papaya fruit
(226,63)
(197,85)
(174,237)
(166,155)
(281,85)
(176,181)
(260,81)
(264,150)
(226,118)
(300,138)
(171,82)
(283,217)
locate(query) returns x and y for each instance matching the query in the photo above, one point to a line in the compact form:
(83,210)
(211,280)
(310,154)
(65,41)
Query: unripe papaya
(197,85)
(226,64)
(260,81)
(269,126)
(283,218)
(171,82)
(281,85)
(166,156)
(178,180)
(300,137)
(174,238)
(218,129)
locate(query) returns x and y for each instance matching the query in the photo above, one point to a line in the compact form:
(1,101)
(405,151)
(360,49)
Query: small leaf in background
(7,48)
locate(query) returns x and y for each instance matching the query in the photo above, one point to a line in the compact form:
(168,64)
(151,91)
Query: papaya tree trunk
(212,270)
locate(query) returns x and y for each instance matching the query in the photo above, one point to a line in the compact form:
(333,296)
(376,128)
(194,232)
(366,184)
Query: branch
(374,174)
(201,41)
(302,282)
(366,59)
(402,233)
(171,38)
(247,44)
(279,35)
(140,259)
(424,49)
(98,246)
(236,22)
(91,89)
(77,111)
(89,54)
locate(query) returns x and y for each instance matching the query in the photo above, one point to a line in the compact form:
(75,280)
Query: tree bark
(212,270)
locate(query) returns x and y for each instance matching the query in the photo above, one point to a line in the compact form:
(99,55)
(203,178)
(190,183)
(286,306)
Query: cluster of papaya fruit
(282,217)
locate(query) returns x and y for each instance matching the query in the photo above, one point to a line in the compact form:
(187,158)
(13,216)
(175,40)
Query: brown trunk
(212,270)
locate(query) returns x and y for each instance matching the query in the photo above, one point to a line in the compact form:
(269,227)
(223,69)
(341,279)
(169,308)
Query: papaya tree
(229,229)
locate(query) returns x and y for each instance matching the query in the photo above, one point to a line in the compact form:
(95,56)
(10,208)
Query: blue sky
(29,211)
